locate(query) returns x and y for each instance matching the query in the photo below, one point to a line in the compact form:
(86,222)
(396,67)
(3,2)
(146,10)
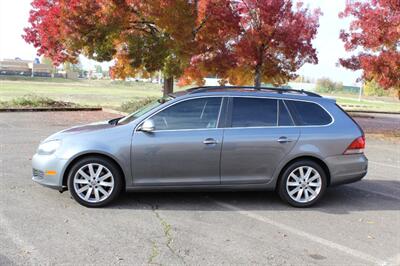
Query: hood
(81,129)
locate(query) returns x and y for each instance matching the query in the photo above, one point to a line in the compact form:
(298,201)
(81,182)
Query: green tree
(325,85)
(67,66)
(372,88)
(302,79)
(47,61)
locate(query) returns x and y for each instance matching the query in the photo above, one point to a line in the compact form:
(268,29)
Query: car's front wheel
(303,183)
(94,181)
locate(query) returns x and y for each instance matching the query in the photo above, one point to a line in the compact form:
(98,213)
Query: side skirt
(237,187)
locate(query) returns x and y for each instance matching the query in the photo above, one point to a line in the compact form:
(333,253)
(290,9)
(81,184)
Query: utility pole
(33,63)
(360,93)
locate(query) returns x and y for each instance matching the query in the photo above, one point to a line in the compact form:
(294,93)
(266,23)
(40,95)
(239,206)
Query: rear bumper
(47,170)
(347,168)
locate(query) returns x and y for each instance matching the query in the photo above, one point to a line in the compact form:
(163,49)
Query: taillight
(357,146)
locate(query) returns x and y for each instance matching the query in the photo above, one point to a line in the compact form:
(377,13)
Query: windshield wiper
(115,120)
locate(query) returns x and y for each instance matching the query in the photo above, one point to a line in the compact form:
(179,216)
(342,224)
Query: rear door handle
(283,140)
(209,141)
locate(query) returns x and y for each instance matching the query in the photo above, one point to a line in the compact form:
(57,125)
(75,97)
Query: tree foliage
(274,41)
(375,30)
(238,40)
(325,85)
(372,88)
(139,35)
(47,61)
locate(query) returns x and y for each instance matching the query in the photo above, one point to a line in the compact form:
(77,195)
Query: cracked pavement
(355,224)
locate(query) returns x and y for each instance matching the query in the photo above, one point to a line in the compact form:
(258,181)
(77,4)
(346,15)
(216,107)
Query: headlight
(49,147)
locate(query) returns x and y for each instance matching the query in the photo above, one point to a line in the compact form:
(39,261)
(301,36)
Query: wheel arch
(91,154)
(317,160)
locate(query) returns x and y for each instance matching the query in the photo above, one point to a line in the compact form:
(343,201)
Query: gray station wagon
(225,138)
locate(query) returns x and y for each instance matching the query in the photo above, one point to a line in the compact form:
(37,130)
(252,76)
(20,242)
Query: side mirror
(148,126)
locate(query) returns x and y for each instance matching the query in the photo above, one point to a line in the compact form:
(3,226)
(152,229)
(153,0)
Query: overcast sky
(14,17)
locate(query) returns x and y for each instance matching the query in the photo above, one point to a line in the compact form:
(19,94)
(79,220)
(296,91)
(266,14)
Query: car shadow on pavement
(367,195)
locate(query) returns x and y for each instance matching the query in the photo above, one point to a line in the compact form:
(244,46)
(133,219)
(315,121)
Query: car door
(183,149)
(260,135)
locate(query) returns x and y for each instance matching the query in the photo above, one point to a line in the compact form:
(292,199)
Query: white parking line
(385,164)
(355,253)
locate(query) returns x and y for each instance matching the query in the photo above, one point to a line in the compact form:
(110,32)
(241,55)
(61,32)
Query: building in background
(40,70)
(15,67)
(19,67)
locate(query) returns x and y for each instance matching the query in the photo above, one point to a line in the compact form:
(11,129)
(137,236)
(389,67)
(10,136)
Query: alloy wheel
(304,184)
(93,182)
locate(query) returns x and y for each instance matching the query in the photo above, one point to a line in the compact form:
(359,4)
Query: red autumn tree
(143,36)
(44,33)
(274,41)
(374,34)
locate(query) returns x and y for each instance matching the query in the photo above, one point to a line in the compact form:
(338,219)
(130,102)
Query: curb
(51,109)
(372,112)
(112,111)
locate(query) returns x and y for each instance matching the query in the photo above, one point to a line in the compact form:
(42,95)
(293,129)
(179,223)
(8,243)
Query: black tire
(283,181)
(108,165)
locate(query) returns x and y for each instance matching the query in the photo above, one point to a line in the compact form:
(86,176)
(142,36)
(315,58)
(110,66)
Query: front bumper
(48,170)
(347,168)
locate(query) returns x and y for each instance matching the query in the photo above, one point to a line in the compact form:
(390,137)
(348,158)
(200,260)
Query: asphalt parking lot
(357,224)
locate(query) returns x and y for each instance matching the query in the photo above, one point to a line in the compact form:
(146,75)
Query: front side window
(190,114)
(254,112)
(308,113)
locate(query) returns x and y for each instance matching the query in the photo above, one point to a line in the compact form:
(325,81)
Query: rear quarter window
(308,113)
(254,112)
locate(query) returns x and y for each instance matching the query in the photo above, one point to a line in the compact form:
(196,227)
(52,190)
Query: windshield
(141,111)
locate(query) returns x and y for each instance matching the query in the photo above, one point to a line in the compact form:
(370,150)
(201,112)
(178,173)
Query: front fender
(115,146)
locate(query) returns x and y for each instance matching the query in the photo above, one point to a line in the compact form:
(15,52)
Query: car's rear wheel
(94,181)
(303,183)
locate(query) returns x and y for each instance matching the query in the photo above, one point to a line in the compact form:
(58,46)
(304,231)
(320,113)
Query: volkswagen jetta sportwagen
(295,142)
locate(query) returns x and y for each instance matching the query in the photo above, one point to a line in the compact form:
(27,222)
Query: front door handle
(283,140)
(209,141)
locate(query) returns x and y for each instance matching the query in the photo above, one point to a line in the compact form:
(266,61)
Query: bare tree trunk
(168,86)
(257,73)
(257,77)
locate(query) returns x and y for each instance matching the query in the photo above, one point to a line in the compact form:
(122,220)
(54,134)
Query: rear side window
(308,114)
(254,112)
(284,117)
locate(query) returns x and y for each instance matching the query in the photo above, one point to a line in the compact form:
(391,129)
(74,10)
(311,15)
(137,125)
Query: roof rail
(273,89)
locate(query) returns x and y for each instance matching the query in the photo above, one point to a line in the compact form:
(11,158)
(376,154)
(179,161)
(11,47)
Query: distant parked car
(225,138)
